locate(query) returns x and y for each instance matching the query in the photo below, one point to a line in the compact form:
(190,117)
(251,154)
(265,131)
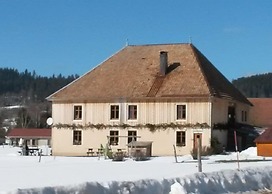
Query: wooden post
(236,149)
(199,153)
(175,153)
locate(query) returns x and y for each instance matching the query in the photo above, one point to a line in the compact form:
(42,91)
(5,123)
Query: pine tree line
(20,87)
(29,91)
(257,86)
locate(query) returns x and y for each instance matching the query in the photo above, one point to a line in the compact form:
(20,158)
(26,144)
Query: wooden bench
(90,152)
(100,152)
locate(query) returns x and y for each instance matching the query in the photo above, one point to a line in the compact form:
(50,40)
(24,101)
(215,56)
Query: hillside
(256,86)
(19,87)
(22,98)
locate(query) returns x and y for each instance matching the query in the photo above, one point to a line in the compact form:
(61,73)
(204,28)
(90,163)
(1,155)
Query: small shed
(32,137)
(264,143)
(140,149)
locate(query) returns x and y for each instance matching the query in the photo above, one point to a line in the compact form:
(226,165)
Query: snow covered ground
(160,175)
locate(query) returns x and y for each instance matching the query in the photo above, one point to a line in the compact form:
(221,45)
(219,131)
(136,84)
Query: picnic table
(26,151)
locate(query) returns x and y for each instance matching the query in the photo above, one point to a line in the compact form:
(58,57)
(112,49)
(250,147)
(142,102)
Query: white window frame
(82,111)
(115,137)
(131,138)
(137,115)
(75,139)
(176,112)
(182,144)
(119,112)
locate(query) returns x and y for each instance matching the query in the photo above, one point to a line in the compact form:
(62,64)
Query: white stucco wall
(220,110)
(148,113)
(163,141)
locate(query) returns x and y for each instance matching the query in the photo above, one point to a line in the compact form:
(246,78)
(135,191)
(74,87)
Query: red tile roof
(261,112)
(35,133)
(265,137)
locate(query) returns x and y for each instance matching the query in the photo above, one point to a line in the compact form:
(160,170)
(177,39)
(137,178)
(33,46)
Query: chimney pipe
(163,62)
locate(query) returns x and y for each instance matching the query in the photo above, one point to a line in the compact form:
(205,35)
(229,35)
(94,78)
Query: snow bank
(160,175)
(226,181)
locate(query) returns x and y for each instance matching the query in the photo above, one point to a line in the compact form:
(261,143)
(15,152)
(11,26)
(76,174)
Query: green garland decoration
(151,127)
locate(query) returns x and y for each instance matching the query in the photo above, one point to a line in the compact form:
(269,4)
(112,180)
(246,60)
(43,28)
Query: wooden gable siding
(152,112)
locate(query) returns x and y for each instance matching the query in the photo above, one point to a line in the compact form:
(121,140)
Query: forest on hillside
(256,86)
(24,86)
(27,91)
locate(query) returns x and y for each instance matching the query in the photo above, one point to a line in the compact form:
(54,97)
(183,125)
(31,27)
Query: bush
(205,151)
(216,146)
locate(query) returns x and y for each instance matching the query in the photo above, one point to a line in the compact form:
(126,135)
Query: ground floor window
(180,138)
(132,135)
(34,142)
(77,136)
(114,137)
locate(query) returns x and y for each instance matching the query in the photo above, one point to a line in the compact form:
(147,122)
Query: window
(77,138)
(180,138)
(77,112)
(114,137)
(34,142)
(132,135)
(244,116)
(114,114)
(181,112)
(132,112)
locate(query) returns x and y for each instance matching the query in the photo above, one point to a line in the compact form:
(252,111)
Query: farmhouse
(166,94)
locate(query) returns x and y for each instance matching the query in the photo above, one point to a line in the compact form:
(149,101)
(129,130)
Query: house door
(231,115)
(197,135)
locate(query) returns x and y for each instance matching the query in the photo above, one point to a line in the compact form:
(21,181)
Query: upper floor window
(77,137)
(181,112)
(180,138)
(114,112)
(132,135)
(114,137)
(132,112)
(77,112)
(244,116)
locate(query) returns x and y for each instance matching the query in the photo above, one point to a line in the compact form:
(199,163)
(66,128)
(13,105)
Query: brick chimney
(163,63)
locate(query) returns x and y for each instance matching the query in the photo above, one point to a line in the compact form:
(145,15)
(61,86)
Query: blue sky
(73,36)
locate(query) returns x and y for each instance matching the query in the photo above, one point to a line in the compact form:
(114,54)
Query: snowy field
(159,175)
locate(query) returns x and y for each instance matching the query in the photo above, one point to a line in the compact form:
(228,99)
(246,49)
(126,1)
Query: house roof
(260,114)
(26,132)
(265,137)
(133,74)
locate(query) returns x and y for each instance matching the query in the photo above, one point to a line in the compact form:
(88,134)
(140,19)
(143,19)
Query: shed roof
(265,137)
(27,132)
(133,73)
